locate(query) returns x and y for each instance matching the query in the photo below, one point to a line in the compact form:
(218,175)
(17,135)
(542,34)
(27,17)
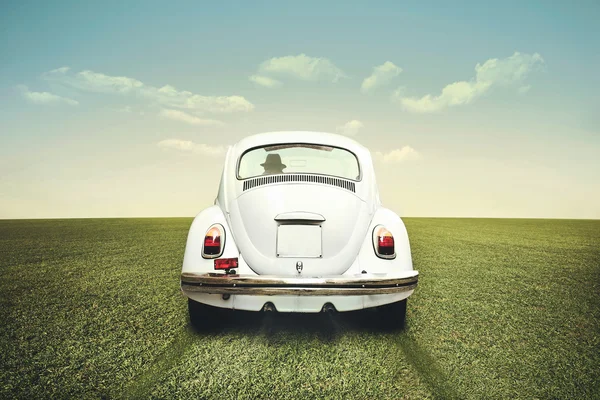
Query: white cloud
(190,119)
(61,70)
(91,81)
(189,146)
(265,81)
(129,110)
(302,67)
(397,155)
(94,82)
(45,97)
(171,97)
(524,89)
(494,72)
(382,75)
(350,128)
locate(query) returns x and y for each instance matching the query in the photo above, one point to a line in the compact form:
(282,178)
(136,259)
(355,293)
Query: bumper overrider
(217,283)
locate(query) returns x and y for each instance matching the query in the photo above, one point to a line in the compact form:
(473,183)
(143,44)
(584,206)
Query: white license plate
(299,241)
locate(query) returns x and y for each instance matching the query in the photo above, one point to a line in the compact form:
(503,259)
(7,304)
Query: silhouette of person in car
(273,164)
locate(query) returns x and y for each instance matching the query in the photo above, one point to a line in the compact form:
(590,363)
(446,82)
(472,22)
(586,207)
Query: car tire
(392,316)
(202,316)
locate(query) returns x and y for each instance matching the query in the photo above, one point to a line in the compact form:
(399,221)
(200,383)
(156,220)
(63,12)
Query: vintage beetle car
(297,226)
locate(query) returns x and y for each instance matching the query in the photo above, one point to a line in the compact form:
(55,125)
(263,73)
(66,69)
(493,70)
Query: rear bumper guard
(273,285)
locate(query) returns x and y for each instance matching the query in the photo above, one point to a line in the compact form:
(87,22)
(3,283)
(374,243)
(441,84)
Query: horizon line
(192,217)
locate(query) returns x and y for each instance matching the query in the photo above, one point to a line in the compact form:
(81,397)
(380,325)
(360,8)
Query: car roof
(324,138)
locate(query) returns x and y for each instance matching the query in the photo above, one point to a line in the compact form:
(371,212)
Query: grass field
(504,309)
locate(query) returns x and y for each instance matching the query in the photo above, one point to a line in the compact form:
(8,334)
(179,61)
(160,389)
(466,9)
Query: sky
(125,109)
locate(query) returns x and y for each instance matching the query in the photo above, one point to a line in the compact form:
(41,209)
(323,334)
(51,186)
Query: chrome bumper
(273,285)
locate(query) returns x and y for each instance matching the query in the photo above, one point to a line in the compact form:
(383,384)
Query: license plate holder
(299,241)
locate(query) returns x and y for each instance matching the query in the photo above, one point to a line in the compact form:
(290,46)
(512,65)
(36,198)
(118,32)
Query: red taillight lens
(226,263)
(383,242)
(214,241)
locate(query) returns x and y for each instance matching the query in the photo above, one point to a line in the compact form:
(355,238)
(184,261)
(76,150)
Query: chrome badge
(299,267)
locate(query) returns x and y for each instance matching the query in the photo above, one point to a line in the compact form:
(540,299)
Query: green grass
(504,309)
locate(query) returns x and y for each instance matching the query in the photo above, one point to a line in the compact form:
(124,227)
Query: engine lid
(276,226)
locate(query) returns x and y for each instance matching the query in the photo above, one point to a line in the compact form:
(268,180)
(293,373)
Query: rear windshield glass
(299,158)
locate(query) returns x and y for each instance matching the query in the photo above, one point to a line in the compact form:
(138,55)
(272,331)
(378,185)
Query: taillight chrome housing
(383,243)
(214,242)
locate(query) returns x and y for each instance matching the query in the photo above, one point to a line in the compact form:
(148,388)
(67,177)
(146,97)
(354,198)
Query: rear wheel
(202,316)
(392,316)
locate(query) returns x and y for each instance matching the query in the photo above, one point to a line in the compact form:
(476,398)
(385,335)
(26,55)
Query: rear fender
(368,260)
(192,259)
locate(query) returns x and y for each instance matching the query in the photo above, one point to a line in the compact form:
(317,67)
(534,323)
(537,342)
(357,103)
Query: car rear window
(299,158)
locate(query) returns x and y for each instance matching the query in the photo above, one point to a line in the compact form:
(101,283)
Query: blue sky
(518,136)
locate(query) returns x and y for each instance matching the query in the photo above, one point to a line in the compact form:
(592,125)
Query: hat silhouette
(273,160)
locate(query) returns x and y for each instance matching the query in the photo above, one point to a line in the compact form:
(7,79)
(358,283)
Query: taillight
(214,241)
(383,243)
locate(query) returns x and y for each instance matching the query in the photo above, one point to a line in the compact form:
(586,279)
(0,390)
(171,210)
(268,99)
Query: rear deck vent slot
(265,180)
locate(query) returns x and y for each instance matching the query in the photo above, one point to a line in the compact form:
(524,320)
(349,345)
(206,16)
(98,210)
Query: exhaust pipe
(328,308)
(269,307)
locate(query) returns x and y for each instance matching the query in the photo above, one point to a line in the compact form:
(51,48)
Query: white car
(297,226)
